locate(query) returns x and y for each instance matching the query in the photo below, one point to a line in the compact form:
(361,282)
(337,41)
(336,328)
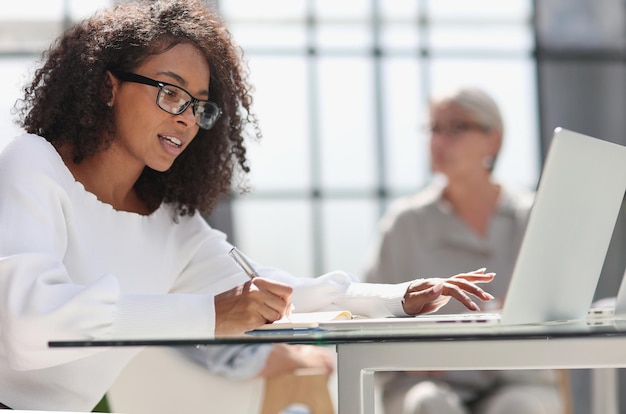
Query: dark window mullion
(316,191)
(381,149)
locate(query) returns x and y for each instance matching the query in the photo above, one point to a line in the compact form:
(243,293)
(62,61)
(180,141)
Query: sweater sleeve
(38,302)
(339,290)
(238,362)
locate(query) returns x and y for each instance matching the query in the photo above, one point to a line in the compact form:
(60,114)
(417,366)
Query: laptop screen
(570,226)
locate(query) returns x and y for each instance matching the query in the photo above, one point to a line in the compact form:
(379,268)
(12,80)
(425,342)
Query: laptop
(570,226)
(612,307)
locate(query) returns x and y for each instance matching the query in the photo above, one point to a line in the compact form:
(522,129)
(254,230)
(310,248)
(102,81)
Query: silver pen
(241,260)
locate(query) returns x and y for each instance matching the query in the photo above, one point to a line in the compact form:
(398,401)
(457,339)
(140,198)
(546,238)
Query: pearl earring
(488,162)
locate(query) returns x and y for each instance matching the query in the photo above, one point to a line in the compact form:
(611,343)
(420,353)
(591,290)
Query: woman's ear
(495,142)
(115,83)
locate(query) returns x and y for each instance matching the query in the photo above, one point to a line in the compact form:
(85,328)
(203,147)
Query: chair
(566,392)
(306,387)
(162,381)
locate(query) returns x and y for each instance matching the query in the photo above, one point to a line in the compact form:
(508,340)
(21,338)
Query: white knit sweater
(72,267)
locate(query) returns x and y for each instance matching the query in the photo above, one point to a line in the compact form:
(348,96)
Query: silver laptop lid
(570,226)
(620,301)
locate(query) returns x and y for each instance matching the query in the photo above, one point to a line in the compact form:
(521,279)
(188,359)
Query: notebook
(565,243)
(305,320)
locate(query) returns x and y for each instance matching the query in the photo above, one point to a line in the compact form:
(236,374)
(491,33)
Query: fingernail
(482,270)
(475,306)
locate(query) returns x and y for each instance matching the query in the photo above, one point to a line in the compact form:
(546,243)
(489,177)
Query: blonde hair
(476,103)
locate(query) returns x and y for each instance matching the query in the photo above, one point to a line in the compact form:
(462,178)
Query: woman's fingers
(421,299)
(251,305)
(460,295)
(428,295)
(276,298)
(467,284)
(477,276)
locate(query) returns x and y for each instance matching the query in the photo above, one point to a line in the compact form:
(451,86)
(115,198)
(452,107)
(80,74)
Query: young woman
(135,124)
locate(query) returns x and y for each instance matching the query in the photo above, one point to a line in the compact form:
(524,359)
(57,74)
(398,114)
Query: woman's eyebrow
(182,81)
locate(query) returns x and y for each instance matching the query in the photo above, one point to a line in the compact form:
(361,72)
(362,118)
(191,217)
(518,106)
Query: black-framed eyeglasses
(174,99)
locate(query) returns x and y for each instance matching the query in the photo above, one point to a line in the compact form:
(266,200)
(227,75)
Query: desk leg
(368,392)
(356,386)
(604,397)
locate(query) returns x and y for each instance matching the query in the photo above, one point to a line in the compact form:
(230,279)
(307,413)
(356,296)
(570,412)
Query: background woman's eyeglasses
(174,99)
(455,129)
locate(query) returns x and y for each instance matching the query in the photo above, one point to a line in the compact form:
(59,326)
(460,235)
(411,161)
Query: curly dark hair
(66,103)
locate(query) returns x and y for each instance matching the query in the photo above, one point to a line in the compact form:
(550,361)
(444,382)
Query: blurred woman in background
(465,219)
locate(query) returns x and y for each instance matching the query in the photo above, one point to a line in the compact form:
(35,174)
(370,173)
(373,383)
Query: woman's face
(145,134)
(459,146)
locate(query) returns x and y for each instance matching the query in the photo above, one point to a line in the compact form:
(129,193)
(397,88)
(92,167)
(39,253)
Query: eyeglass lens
(455,129)
(175,100)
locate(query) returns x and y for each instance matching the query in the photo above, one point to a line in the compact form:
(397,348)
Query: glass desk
(402,346)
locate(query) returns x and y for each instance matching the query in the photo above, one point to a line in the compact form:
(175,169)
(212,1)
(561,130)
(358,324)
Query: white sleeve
(240,362)
(339,290)
(37,299)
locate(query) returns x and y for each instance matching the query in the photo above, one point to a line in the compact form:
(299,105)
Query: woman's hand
(285,358)
(248,306)
(428,295)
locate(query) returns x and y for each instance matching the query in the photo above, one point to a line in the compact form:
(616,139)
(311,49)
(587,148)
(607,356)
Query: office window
(341,88)
(27,28)
(340,91)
